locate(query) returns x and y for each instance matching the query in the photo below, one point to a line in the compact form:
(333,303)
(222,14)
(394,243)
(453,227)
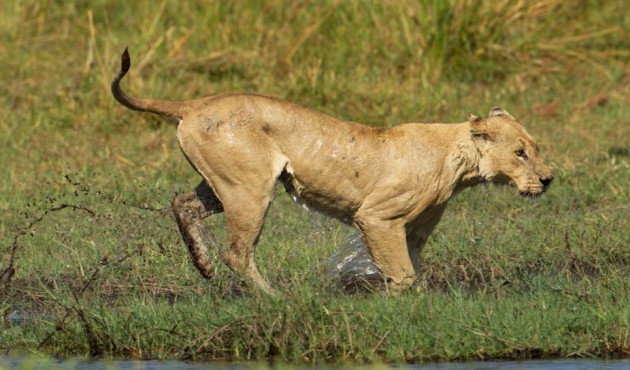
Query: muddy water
(7,363)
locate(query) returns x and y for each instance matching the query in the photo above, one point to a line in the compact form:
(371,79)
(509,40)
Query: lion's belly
(332,195)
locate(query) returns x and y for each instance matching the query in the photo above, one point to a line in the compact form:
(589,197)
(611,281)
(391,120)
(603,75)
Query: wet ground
(12,363)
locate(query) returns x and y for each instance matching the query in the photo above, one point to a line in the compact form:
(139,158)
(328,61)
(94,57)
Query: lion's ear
(472,118)
(498,111)
(478,127)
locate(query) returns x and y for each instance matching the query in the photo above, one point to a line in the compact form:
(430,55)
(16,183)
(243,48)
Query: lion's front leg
(387,244)
(190,209)
(418,233)
(415,244)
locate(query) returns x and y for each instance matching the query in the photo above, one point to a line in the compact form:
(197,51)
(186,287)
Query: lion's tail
(163,107)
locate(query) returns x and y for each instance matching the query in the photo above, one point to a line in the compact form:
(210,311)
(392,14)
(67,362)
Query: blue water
(11,363)
(527,365)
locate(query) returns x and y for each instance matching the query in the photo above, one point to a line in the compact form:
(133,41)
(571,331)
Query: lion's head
(509,155)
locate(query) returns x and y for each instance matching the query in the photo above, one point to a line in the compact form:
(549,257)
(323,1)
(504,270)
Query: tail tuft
(125,61)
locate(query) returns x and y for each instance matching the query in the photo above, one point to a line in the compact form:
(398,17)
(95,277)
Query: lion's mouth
(531,193)
(533,189)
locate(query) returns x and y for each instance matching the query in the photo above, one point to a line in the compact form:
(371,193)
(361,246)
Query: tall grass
(91,262)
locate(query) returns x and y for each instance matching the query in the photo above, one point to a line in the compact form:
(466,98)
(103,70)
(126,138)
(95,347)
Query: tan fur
(391,184)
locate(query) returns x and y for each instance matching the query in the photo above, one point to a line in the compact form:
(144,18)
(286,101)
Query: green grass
(100,269)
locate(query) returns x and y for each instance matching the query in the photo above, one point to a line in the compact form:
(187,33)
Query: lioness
(391,184)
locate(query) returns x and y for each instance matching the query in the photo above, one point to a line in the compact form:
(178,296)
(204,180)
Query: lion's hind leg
(190,209)
(245,211)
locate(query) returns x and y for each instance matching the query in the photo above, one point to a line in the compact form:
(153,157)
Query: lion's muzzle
(546,182)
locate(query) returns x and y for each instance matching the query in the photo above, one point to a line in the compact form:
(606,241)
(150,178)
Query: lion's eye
(521,153)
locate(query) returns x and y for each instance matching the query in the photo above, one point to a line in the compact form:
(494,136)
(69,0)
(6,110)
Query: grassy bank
(99,268)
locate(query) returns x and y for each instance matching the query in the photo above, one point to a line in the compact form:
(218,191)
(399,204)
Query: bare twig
(7,273)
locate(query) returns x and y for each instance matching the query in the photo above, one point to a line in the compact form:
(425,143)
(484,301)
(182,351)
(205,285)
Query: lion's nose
(546,181)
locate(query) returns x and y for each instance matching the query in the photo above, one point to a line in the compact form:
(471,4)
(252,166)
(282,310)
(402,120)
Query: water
(352,262)
(18,363)
(530,365)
